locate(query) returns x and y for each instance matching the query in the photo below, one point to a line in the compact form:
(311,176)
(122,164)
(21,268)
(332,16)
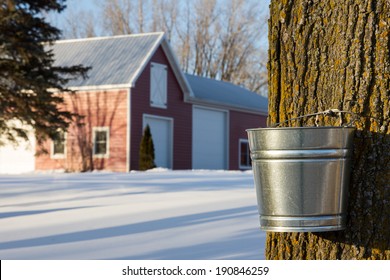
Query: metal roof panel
(114,60)
(225,93)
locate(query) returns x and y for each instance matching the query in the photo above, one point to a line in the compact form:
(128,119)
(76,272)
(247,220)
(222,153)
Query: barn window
(158,85)
(101,140)
(58,145)
(245,159)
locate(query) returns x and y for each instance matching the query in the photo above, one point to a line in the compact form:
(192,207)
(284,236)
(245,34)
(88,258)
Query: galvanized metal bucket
(301,176)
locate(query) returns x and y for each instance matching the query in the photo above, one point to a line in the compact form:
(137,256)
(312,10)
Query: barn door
(209,139)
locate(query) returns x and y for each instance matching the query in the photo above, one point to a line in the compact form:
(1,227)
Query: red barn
(136,80)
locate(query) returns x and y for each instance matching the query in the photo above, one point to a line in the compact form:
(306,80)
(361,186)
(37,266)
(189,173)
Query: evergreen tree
(29,79)
(146,151)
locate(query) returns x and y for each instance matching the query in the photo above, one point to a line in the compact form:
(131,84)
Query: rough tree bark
(327,54)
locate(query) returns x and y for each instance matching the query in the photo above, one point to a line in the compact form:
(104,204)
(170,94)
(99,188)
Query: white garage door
(18,159)
(161,129)
(209,139)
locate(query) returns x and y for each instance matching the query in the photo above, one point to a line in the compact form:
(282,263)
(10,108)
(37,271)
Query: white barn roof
(114,60)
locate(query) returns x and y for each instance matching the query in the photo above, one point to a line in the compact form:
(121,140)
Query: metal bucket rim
(301,128)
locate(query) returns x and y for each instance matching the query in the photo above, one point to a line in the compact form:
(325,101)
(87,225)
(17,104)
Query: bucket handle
(330,113)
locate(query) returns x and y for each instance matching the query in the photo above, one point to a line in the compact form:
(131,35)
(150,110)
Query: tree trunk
(335,54)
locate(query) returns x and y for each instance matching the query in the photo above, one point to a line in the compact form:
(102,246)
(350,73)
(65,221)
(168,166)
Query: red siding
(239,122)
(178,110)
(101,109)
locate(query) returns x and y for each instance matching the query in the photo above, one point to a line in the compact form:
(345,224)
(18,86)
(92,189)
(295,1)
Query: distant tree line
(220,39)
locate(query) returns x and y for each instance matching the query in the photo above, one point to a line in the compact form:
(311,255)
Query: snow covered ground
(158,214)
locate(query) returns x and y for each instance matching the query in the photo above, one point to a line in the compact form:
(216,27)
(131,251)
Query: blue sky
(92,4)
(89,4)
(81,4)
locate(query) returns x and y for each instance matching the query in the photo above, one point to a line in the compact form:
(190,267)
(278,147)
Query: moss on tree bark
(335,54)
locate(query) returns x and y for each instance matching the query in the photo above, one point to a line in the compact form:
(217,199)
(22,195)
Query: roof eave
(96,88)
(216,104)
(172,61)
(145,61)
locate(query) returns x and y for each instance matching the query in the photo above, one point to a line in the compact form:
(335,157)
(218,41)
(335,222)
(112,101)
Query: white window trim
(59,156)
(98,129)
(242,140)
(157,105)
